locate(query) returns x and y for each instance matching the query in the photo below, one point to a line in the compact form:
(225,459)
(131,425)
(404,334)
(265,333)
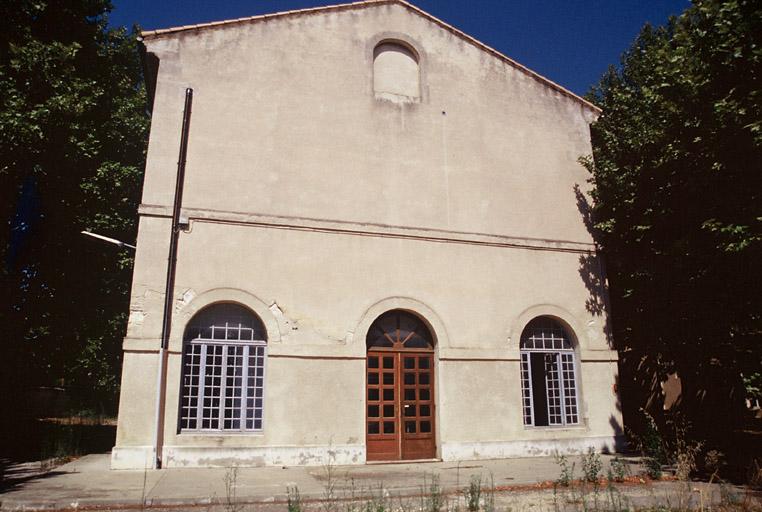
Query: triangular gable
(150,34)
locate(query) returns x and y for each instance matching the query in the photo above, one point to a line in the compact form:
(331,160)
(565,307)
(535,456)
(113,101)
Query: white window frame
(561,350)
(227,340)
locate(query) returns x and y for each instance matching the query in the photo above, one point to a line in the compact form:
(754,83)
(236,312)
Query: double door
(400,405)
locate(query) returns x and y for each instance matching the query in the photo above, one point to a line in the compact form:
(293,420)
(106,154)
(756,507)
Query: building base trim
(255,456)
(452,451)
(132,457)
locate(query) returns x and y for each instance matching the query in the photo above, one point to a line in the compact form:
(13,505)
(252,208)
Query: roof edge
(151,34)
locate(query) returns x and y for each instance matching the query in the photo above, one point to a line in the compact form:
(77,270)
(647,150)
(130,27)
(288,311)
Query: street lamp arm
(109,240)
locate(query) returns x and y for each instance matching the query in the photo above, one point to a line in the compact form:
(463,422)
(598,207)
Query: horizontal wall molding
(301,356)
(368,229)
(482,359)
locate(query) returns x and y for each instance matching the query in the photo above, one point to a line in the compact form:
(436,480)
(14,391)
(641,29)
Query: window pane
(388,427)
(373,427)
(373,411)
(373,394)
(417,342)
(398,326)
(223,383)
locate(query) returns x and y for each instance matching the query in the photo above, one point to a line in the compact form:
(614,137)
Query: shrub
(473,493)
(591,465)
(294,499)
(618,470)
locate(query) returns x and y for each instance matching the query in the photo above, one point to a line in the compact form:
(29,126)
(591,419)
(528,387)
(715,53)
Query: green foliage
(678,209)
(473,493)
(618,470)
(294,503)
(73,130)
(566,476)
(652,448)
(432,495)
(591,465)
(753,385)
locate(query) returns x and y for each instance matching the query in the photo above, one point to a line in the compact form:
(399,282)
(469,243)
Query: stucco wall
(285,122)
(320,206)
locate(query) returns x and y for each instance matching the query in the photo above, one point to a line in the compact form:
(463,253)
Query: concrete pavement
(87,483)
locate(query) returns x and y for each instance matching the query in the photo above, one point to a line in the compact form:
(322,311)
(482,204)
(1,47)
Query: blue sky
(571,42)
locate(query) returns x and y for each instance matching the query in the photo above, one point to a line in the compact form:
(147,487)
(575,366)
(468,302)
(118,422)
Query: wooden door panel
(417,399)
(382,425)
(400,405)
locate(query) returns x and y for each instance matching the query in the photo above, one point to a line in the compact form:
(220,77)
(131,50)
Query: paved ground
(88,483)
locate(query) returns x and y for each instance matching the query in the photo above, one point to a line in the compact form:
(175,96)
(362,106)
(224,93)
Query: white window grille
(548,380)
(223,371)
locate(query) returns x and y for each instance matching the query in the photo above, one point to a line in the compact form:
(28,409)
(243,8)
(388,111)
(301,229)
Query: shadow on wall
(592,270)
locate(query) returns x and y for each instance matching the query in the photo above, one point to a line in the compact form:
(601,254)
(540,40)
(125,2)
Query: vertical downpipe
(161,380)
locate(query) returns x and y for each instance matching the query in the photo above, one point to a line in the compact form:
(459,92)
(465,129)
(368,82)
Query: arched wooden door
(400,389)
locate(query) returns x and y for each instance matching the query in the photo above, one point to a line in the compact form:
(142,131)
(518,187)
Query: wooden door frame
(399,420)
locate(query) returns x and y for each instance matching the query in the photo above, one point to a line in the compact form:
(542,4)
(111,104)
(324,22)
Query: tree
(677,175)
(73,131)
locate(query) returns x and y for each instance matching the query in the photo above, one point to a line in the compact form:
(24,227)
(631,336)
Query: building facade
(384,257)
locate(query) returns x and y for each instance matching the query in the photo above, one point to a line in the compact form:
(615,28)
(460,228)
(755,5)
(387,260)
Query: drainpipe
(161,380)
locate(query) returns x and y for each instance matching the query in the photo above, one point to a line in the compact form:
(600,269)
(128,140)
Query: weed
(377,501)
(614,498)
(489,497)
(433,496)
(618,470)
(685,451)
(330,500)
(556,508)
(231,482)
(144,488)
(473,493)
(404,505)
(567,472)
(350,499)
(591,465)
(652,447)
(294,499)
(714,461)
(452,505)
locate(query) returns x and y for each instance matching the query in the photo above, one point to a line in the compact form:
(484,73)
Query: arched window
(548,380)
(399,330)
(395,72)
(223,370)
